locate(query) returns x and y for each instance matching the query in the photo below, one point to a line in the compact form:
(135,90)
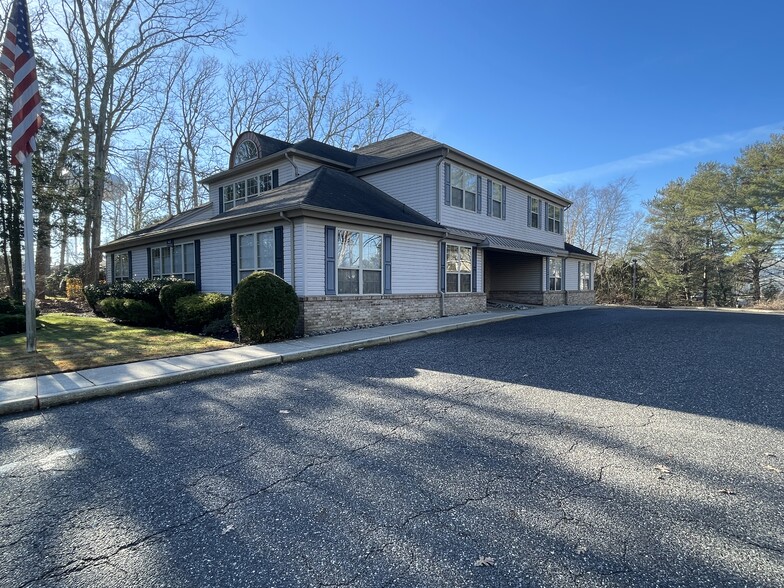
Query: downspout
(287,155)
(293,257)
(442,293)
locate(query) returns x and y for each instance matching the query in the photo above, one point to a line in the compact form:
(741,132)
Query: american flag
(17,61)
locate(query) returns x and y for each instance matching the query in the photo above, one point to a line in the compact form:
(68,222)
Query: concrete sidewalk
(63,388)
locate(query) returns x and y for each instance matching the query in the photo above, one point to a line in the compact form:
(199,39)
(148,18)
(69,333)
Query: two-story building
(402,229)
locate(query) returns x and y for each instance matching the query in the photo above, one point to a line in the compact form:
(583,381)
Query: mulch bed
(50,305)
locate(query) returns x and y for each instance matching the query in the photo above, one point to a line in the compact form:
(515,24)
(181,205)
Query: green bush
(130,311)
(8,306)
(94,293)
(264,308)
(170,293)
(11,324)
(221,328)
(192,313)
(145,290)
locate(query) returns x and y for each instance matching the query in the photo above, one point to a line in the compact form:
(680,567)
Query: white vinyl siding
(414,264)
(414,261)
(572,278)
(515,225)
(413,185)
(285,174)
(216,263)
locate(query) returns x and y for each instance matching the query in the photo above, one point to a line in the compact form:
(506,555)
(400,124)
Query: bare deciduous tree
(115,49)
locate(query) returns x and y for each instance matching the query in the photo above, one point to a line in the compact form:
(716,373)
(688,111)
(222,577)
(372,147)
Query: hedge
(130,311)
(193,313)
(171,293)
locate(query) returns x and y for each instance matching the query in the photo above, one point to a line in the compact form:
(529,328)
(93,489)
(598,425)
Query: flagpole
(27,184)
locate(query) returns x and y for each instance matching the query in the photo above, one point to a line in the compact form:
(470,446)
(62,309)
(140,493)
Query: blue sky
(558,92)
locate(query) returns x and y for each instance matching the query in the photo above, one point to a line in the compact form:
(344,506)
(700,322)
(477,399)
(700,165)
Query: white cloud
(690,149)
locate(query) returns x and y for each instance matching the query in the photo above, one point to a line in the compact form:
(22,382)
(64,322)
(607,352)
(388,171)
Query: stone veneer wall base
(324,313)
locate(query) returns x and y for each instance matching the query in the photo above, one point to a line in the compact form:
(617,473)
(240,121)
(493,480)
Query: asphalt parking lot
(605,447)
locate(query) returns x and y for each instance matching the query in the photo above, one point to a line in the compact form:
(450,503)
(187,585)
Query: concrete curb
(301,349)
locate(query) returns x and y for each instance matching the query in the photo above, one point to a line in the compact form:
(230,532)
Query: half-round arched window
(245,152)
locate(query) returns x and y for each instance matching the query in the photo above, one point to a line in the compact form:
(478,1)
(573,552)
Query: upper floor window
(239,192)
(245,152)
(555,274)
(256,253)
(358,262)
(174,260)
(554,218)
(496,199)
(534,206)
(458,268)
(464,188)
(122,267)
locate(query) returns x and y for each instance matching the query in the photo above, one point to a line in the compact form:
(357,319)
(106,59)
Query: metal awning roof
(495,242)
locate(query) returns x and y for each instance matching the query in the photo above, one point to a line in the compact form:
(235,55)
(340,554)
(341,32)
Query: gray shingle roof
(507,243)
(398,146)
(577,251)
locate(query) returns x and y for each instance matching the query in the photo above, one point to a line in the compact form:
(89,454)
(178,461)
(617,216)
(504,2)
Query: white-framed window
(245,152)
(464,188)
(256,252)
(239,192)
(174,260)
(459,268)
(533,213)
(555,277)
(585,275)
(496,199)
(554,218)
(122,267)
(358,262)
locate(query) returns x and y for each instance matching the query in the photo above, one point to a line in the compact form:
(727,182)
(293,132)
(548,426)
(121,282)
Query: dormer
(250,147)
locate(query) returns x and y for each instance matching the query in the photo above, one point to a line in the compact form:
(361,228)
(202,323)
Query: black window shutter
(529,212)
(274,178)
(279,251)
(563,274)
(130,265)
(489,197)
(474,256)
(579,274)
(111,265)
(387,264)
(233,264)
(442,273)
(503,202)
(447,184)
(149,263)
(546,274)
(329,261)
(197,263)
(479,194)
(220,200)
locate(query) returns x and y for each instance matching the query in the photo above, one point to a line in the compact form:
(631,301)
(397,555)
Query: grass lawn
(70,342)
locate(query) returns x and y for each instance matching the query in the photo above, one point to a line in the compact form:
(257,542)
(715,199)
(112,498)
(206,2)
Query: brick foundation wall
(554,298)
(323,313)
(581,297)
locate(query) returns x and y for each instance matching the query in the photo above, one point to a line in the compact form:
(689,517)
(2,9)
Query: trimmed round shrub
(171,293)
(11,324)
(130,311)
(264,308)
(193,313)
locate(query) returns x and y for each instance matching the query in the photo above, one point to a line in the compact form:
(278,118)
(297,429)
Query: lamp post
(634,280)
